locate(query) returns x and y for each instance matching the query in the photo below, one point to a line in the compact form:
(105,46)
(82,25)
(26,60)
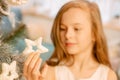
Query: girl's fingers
(44,70)
(33,62)
(26,64)
(36,73)
(38,64)
(31,68)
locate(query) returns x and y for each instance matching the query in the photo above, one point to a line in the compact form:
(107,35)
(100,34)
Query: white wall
(108,8)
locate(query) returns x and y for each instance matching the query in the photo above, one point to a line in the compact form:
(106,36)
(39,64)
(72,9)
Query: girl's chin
(72,52)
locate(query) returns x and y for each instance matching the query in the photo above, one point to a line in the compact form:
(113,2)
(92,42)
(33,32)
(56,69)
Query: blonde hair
(100,51)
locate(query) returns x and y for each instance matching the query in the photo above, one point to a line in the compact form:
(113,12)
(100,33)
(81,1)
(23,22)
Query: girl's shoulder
(111,75)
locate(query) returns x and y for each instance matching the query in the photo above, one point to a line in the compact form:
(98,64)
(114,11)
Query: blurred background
(35,18)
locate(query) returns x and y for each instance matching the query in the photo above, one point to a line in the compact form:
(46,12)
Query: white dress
(64,73)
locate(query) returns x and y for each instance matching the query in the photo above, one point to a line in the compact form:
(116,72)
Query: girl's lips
(69,44)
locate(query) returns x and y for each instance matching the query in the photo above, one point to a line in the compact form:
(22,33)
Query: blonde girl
(80,49)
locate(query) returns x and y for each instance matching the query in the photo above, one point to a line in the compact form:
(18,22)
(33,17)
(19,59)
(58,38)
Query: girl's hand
(31,68)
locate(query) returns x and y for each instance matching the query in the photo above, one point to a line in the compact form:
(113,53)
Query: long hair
(100,50)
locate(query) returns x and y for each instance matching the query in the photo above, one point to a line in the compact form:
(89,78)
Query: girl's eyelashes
(62,29)
(77,29)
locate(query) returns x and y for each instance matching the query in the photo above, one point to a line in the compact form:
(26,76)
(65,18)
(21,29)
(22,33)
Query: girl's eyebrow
(62,24)
(75,24)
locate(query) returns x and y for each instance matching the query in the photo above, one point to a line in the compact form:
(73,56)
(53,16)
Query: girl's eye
(62,29)
(76,29)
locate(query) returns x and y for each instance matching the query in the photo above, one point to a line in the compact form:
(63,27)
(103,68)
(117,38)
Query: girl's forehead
(75,15)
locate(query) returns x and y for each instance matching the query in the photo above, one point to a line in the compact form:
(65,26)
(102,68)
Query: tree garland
(7,54)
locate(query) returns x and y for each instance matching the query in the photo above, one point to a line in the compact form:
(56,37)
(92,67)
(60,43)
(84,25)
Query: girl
(80,51)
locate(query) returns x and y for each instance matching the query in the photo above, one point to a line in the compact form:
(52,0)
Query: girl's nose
(69,33)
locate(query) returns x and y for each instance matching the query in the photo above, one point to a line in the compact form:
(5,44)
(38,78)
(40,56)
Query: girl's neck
(84,60)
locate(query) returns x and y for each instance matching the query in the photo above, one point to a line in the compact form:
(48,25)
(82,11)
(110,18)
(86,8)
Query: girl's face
(75,31)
